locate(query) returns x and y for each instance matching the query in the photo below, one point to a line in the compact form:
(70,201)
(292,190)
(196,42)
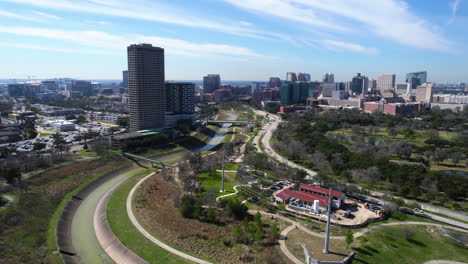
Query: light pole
(222,175)
(327,235)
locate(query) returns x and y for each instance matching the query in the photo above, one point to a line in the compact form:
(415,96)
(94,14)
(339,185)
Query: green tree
(237,233)
(39,146)
(123,121)
(58,142)
(187,206)
(259,233)
(349,239)
(10,174)
(211,215)
(456,157)
(81,119)
(274,230)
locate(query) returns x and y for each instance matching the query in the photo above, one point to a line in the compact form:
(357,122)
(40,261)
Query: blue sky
(239,39)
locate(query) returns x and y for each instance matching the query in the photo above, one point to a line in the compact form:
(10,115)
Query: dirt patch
(156,206)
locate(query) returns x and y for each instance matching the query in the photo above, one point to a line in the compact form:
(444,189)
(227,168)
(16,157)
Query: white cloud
(55,49)
(245,23)
(42,14)
(104,40)
(389,19)
(16,16)
(151,11)
(99,22)
(454,5)
(346,46)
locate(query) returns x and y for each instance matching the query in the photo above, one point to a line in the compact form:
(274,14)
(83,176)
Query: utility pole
(222,176)
(327,235)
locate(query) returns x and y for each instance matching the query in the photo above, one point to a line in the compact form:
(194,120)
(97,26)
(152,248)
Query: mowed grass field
(214,182)
(128,234)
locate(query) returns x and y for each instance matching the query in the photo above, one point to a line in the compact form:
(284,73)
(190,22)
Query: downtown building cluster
(383,94)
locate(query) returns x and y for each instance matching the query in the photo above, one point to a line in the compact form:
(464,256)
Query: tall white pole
(222,176)
(327,235)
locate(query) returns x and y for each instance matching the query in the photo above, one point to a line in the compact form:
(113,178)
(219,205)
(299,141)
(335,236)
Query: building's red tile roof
(303,196)
(284,194)
(318,189)
(310,198)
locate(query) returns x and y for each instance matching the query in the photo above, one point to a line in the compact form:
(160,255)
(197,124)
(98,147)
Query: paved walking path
(284,249)
(229,194)
(148,235)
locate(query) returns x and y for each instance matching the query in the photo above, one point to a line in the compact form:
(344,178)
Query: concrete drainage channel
(64,225)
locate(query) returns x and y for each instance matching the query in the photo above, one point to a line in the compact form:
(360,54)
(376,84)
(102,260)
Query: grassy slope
(388,245)
(128,234)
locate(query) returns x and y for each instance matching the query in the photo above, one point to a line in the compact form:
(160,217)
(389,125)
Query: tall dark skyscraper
(211,83)
(180,98)
(146,88)
(359,84)
(416,78)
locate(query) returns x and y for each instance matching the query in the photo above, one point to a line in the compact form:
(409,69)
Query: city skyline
(87,39)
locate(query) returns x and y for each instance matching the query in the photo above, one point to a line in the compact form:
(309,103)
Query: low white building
(60,125)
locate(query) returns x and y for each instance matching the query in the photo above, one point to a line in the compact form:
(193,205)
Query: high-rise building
(291,77)
(328,78)
(211,83)
(79,88)
(329,88)
(303,77)
(146,87)
(403,88)
(386,83)
(295,92)
(416,78)
(274,82)
(424,92)
(180,97)
(359,84)
(372,85)
(125,79)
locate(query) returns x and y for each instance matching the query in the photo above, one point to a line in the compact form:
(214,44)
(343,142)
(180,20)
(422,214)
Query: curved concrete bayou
(85,242)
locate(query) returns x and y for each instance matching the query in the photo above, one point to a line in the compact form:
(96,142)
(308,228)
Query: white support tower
(327,235)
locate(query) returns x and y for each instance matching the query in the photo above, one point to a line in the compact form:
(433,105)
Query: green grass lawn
(214,182)
(128,234)
(229,166)
(44,134)
(389,245)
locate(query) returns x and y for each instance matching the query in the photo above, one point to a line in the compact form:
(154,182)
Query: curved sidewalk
(148,235)
(108,241)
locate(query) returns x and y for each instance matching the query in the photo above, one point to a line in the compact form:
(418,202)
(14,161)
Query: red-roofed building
(308,197)
(337,197)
